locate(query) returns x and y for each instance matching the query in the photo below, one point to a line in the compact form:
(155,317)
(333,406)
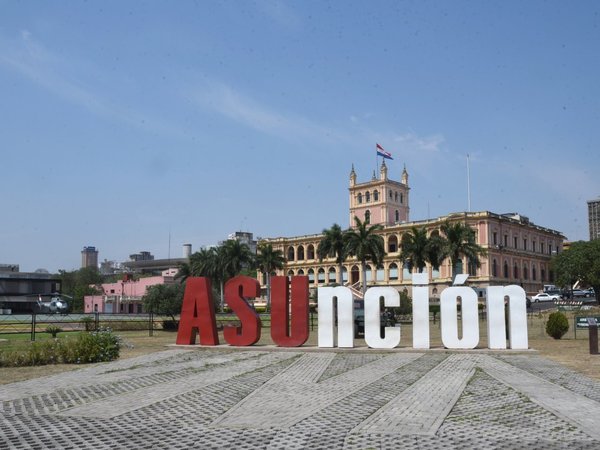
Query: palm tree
(333,245)
(268,260)
(364,243)
(435,250)
(460,241)
(231,258)
(414,248)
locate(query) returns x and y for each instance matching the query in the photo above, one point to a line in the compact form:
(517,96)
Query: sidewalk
(224,398)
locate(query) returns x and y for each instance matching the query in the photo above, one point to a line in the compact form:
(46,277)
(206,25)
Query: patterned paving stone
(215,399)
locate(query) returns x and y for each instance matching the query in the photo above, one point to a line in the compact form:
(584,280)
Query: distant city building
(20,291)
(9,267)
(144,262)
(518,251)
(89,257)
(244,237)
(110,267)
(141,256)
(594,218)
(125,296)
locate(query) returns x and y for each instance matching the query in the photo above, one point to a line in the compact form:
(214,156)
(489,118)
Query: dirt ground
(572,351)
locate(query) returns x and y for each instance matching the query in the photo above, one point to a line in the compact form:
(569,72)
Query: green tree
(365,244)
(581,262)
(268,260)
(219,264)
(435,251)
(459,242)
(79,283)
(333,245)
(164,299)
(414,248)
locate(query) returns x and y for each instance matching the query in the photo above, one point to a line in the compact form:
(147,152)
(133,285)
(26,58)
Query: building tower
(380,200)
(594,218)
(89,257)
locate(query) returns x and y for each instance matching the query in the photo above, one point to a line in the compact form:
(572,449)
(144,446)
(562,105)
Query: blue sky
(123,122)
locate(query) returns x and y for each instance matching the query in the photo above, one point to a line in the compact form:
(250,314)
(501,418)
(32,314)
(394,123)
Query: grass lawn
(573,353)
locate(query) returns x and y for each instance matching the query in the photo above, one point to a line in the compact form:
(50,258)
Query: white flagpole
(468,184)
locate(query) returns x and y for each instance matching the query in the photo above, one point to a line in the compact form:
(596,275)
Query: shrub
(92,347)
(53,330)
(557,325)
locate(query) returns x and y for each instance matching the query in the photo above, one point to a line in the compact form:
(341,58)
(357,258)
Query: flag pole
(468,184)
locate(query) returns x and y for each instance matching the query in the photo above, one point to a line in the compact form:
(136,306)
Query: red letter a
(280,307)
(197,314)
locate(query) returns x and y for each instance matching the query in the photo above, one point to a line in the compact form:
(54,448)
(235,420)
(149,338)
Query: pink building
(125,296)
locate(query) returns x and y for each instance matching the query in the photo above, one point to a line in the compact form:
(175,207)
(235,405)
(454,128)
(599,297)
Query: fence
(39,323)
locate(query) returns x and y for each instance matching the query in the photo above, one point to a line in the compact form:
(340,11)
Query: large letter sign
(197,314)
(517,317)
(281,333)
(345,316)
(237,290)
(289,316)
(468,311)
(420,310)
(373,338)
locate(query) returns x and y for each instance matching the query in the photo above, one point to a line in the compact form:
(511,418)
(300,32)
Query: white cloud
(223,99)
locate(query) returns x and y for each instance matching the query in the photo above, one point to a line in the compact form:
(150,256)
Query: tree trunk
(363,268)
(222,297)
(341,275)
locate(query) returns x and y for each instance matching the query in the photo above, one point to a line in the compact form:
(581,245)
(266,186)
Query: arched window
(310,252)
(395,196)
(367,216)
(543,274)
(300,253)
(290,254)
(391,196)
(406,274)
(494,268)
(290,273)
(393,271)
(369,273)
(344,275)
(505,269)
(472,268)
(525,272)
(393,244)
(359,197)
(300,272)
(331,275)
(401,198)
(515,272)
(397,216)
(311,276)
(367,196)
(375,195)
(533,272)
(321,275)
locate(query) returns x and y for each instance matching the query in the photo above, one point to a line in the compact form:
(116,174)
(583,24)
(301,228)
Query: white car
(545,297)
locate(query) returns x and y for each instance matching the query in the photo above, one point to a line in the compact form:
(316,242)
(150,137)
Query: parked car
(582,293)
(545,297)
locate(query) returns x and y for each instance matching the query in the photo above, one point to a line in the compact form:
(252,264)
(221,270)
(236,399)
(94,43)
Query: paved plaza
(292,399)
